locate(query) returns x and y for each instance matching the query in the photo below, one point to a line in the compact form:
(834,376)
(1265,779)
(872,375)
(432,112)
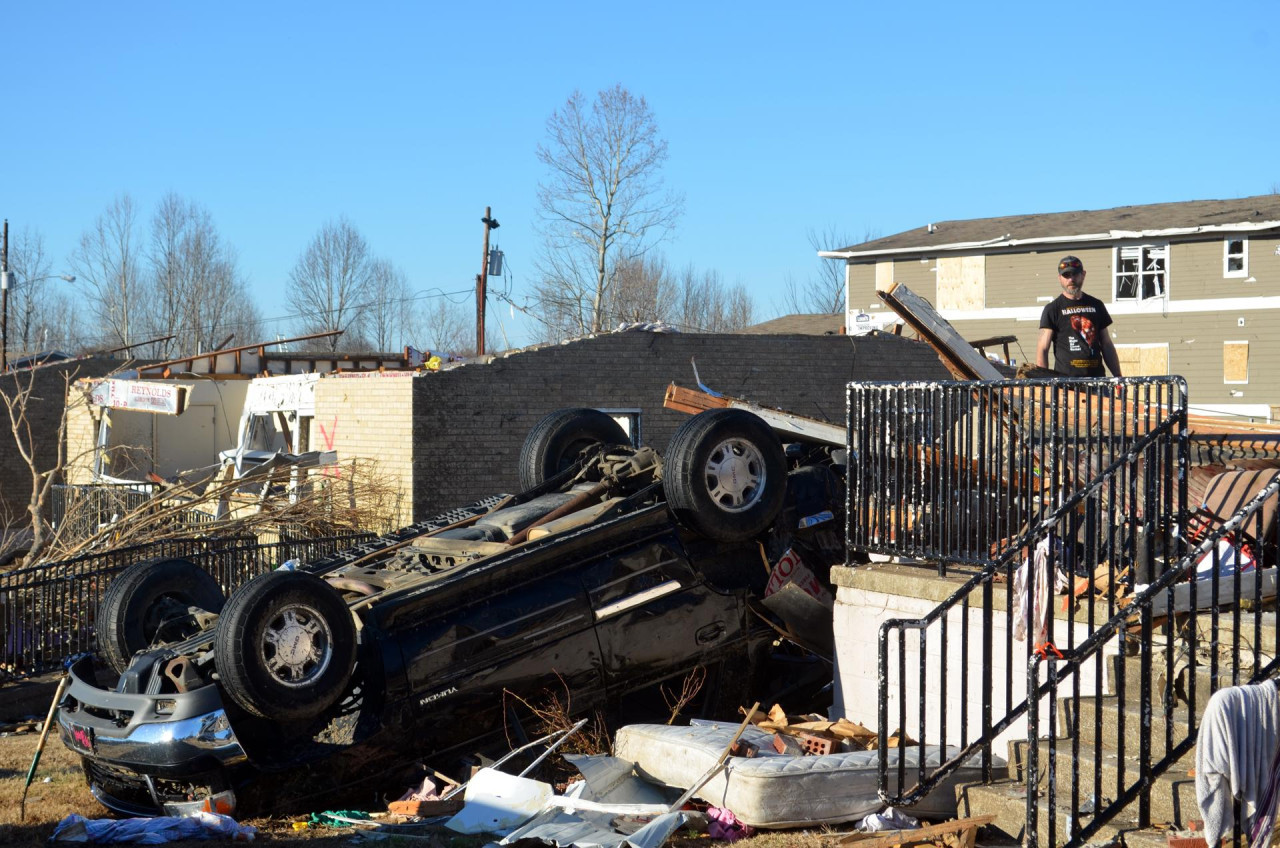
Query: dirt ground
(58,790)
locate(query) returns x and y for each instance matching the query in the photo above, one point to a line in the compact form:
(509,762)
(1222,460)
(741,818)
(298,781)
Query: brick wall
(469,423)
(44,411)
(369,417)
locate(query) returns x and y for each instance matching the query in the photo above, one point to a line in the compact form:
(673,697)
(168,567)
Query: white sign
(164,398)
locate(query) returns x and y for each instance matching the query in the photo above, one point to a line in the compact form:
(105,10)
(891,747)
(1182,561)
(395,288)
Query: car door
(655,617)
(467,661)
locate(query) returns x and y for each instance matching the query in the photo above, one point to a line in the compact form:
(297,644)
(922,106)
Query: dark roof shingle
(1104,223)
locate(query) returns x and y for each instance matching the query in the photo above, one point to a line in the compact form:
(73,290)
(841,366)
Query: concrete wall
(867,596)
(469,422)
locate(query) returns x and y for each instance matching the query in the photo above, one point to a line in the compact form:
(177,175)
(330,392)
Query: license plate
(82,738)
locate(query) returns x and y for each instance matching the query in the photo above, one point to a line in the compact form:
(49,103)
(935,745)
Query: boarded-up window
(962,283)
(1144,360)
(1235,362)
(884,276)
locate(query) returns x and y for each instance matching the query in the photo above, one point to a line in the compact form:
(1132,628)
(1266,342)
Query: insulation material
(962,283)
(775,790)
(1235,362)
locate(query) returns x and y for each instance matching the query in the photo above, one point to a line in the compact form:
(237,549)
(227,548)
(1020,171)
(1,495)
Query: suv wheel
(725,474)
(285,646)
(556,442)
(149,599)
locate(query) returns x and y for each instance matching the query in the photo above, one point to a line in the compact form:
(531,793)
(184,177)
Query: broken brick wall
(44,412)
(469,422)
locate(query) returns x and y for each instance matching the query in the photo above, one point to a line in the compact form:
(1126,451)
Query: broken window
(1140,271)
(1235,257)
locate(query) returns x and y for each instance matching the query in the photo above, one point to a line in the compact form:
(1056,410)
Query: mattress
(776,790)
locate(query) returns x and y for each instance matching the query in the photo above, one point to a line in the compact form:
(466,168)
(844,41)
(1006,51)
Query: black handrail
(1121,444)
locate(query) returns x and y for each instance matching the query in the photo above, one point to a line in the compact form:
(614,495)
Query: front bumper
(144,751)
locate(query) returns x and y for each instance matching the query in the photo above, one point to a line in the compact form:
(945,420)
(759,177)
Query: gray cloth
(1238,737)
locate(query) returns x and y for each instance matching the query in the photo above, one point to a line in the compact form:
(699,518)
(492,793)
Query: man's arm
(1042,347)
(1109,355)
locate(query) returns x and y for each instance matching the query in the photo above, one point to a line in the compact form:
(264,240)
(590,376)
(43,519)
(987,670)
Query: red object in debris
(743,748)
(817,746)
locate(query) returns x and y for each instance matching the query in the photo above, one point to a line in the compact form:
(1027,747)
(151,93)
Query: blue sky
(411,118)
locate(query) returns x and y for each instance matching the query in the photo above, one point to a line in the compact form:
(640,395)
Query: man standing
(1075,325)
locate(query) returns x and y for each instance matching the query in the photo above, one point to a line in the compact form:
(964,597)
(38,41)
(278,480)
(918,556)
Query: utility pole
(482,279)
(4,296)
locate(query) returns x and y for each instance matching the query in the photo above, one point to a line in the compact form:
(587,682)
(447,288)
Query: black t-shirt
(1077,327)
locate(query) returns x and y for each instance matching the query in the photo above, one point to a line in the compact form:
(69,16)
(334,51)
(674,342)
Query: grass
(58,790)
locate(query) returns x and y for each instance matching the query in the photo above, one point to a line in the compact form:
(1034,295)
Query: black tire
(556,442)
(147,596)
(297,612)
(725,475)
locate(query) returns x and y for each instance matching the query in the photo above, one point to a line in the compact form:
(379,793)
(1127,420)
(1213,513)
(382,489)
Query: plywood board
(962,283)
(1235,362)
(884,276)
(1144,360)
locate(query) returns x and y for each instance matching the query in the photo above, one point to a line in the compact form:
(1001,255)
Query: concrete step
(1100,722)
(1007,801)
(1173,794)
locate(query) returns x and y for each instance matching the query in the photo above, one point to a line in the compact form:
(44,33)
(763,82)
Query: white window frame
(1227,255)
(1145,252)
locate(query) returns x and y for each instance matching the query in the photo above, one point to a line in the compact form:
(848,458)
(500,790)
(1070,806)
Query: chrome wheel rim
(735,475)
(297,646)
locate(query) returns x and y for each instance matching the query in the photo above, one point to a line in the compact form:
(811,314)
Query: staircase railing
(1234,567)
(1082,475)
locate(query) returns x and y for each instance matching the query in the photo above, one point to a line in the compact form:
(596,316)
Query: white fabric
(1234,748)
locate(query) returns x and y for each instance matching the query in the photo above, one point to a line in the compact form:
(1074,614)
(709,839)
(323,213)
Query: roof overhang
(1008,240)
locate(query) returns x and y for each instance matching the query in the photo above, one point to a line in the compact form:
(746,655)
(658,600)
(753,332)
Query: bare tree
(823,291)
(706,304)
(197,293)
(603,201)
(329,285)
(41,313)
(445,327)
(643,290)
(43,471)
(107,267)
(390,308)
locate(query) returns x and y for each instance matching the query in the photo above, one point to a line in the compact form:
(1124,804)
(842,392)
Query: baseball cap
(1070,265)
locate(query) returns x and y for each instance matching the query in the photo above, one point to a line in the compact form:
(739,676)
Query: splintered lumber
(965,829)
(693,401)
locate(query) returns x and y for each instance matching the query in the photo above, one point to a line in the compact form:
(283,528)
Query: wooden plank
(691,401)
(786,423)
(927,834)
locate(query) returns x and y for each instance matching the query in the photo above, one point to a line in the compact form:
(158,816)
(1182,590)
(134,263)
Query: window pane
(1235,263)
(1127,285)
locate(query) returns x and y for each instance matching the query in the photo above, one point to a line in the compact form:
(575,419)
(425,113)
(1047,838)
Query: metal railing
(79,511)
(1233,567)
(47,611)
(1077,475)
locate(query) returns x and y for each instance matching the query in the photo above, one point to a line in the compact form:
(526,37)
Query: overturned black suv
(615,572)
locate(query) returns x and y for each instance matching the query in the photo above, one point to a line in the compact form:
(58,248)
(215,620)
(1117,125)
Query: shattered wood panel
(962,283)
(958,355)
